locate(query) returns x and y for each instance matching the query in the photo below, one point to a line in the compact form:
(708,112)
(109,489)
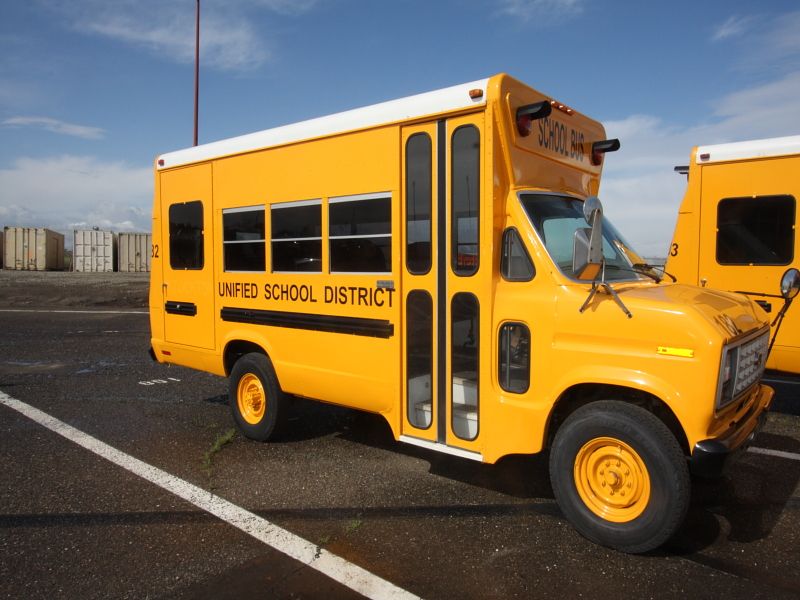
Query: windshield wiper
(654,267)
(637,268)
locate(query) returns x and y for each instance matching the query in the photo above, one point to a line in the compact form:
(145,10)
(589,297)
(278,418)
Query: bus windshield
(556,218)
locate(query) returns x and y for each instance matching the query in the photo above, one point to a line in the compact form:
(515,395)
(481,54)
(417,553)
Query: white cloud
(642,194)
(55,126)
(733,26)
(529,9)
(64,192)
(228,40)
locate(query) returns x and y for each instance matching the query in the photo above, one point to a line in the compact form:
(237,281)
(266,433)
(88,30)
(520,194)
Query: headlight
(727,377)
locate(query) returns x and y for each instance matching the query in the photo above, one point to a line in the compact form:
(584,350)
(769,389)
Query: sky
(91,91)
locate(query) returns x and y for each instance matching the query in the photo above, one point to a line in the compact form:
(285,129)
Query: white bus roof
(781,146)
(447,99)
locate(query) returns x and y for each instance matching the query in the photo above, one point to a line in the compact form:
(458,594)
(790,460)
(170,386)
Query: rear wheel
(256,399)
(620,476)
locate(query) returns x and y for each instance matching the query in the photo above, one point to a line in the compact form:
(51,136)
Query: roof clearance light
(705,156)
(562,107)
(529,113)
(601,147)
(476,94)
(160,162)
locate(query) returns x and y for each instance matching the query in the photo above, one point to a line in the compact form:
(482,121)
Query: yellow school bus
(442,260)
(737,228)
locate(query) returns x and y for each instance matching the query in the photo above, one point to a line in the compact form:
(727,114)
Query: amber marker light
(476,94)
(562,107)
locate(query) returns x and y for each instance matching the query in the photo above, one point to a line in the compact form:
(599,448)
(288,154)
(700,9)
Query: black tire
(605,449)
(257,402)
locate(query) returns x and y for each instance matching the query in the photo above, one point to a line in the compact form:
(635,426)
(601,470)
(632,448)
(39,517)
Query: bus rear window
(755,231)
(186,236)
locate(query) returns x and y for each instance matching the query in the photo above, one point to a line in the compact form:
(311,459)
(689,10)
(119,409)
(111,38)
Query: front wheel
(620,476)
(257,402)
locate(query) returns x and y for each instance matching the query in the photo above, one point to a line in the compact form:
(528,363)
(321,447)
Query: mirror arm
(609,290)
(777,324)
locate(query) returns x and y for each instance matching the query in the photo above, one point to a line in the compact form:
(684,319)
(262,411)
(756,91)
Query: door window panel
(464,348)
(186,235)
(465,200)
(419,358)
(419,194)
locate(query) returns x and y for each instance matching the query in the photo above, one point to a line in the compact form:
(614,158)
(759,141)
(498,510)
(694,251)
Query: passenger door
(188,276)
(442,275)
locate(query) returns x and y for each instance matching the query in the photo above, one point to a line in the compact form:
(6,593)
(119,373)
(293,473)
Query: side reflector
(682,352)
(529,113)
(476,94)
(601,147)
(166,353)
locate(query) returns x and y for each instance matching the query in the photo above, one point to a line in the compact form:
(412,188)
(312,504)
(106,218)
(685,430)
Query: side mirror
(587,246)
(790,283)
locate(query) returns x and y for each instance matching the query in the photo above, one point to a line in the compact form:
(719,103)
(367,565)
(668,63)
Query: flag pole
(196,68)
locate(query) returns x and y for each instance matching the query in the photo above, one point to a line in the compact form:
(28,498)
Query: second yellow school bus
(442,260)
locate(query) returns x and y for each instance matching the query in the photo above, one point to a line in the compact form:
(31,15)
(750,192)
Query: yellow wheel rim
(612,479)
(251,398)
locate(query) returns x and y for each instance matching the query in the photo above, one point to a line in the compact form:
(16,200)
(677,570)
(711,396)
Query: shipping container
(134,252)
(92,251)
(33,249)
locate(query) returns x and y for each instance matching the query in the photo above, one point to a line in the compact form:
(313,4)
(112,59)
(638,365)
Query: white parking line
(335,567)
(778,453)
(84,312)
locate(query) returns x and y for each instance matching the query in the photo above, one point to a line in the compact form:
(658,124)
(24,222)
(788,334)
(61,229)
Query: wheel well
(235,350)
(582,394)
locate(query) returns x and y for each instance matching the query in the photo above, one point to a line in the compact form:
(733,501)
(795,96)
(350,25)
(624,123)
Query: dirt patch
(60,289)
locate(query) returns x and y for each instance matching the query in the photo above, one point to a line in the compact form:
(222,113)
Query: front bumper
(710,457)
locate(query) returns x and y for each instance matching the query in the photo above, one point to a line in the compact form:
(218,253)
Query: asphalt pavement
(75,525)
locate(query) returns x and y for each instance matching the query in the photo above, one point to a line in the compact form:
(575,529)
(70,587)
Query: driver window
(515,264)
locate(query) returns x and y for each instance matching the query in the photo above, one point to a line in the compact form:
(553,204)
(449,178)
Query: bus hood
(731,314)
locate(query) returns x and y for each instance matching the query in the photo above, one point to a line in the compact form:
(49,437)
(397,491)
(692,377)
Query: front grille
(742,366)
(750,364)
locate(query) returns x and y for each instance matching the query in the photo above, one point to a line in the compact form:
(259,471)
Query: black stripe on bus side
(187,309)
(332,324)
(441,276)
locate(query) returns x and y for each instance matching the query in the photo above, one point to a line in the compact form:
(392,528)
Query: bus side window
(186,236)
(297,236)
(243,239)
(360,233)
(515,264)
(515,358)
